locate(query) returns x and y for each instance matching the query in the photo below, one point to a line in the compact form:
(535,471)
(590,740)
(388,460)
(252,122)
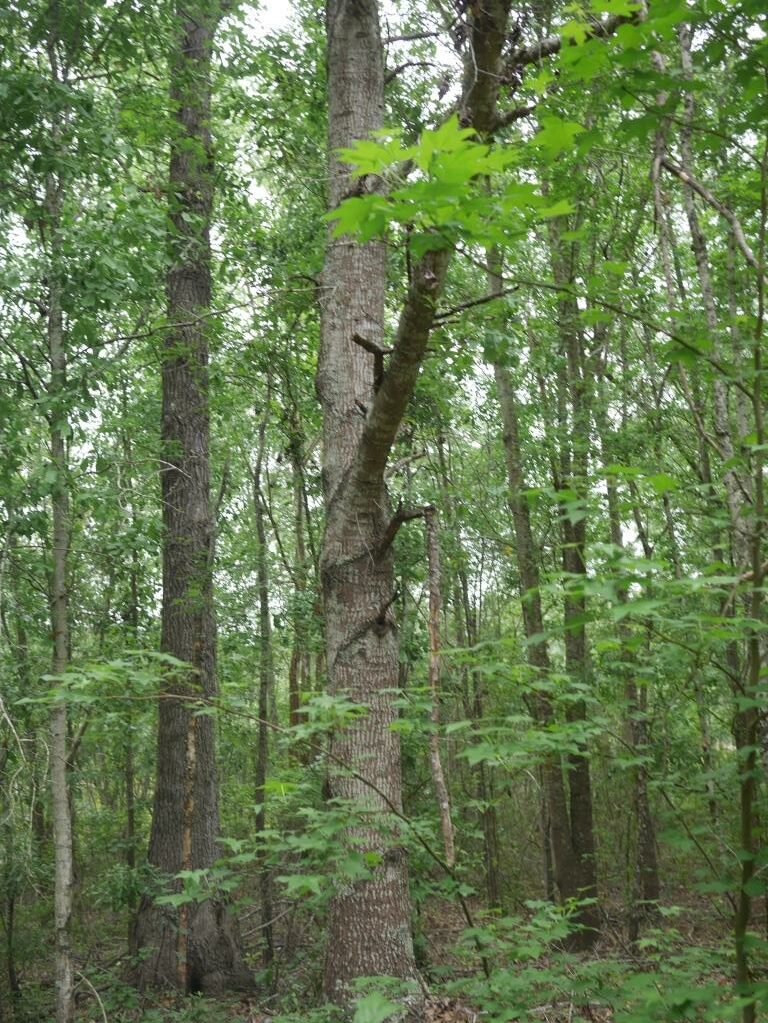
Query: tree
(369,927)
(194,948)
(363,406)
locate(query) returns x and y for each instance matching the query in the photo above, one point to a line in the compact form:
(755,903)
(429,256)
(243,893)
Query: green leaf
(302,884)
(559,209)
(635,607)
(557,135)
(662,483)
(375,1008)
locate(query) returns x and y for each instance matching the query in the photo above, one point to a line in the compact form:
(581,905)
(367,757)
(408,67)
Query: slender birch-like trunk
(62,810)
(266,687)
(436,764)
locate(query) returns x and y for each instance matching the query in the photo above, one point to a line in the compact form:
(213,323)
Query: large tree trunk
(195,948)
(369,927)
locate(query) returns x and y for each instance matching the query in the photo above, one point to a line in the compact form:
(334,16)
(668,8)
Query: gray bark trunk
(436,764)
(369,926)
(369,921)
(62,811)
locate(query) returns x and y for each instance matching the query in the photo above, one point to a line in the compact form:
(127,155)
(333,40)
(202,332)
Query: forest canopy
(383,632)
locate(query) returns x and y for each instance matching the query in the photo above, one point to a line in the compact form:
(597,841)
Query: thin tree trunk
(571,872)
(563,857)
(574,453)
(472,695)
(438,777)
(62,810)
(298,672)
(646,888)
(132,621)
(735,487)
(266,687)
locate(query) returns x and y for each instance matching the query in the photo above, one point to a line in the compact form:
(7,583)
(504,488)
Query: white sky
(269,15)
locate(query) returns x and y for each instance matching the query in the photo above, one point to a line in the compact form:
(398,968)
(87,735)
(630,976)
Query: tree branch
(504,120)
(392,75)
(448,313)
(725,213)
(401,515)
(398,381)
(553,44)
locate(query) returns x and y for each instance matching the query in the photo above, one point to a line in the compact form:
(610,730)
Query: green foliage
(619,374)
(448,200)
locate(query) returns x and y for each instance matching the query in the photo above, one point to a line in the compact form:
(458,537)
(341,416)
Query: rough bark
(196,948)
(369,921)
(369,926)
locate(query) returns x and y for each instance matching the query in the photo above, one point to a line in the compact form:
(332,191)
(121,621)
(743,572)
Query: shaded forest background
(382,620)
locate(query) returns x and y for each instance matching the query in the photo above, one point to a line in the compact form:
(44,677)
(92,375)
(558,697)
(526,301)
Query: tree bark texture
(369,921)
(369,926)
(196,948)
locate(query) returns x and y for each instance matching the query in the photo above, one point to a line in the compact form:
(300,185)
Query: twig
(411,37)
(403,67)
(95,995)
(442,317)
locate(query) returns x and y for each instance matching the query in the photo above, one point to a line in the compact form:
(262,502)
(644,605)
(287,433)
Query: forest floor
(554,987)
